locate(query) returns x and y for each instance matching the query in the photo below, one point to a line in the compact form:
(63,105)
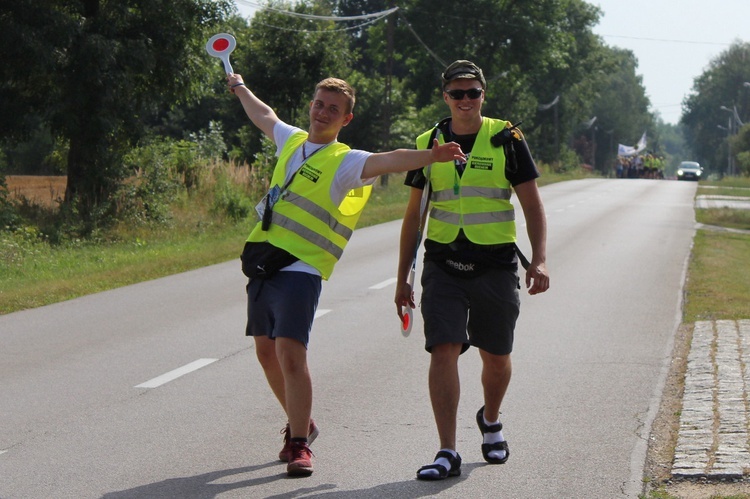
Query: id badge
(268,201)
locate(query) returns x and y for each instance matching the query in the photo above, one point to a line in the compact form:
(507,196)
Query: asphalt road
(152,390)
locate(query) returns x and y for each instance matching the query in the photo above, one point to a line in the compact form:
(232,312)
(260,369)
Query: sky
(673,41)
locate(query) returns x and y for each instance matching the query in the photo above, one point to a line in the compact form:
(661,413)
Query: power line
(349,28)
(429,51)
(377,15)
(371,18)
(666,40)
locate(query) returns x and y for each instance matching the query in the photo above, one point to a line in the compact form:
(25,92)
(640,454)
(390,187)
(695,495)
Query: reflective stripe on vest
(471,191)
(320,213)
(468,219)
(307,234)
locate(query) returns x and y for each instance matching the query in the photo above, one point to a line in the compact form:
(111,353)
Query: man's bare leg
(496,373)
(265,350)
(292,356)
(445,392)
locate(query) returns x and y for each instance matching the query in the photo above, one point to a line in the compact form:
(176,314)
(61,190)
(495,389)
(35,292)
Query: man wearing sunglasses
(470,280)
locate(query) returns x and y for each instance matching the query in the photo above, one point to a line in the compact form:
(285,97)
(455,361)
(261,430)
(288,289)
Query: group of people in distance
(640,166)
(468,166)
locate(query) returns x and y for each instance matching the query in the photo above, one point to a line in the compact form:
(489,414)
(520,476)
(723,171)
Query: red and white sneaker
(300,460)
(286,451)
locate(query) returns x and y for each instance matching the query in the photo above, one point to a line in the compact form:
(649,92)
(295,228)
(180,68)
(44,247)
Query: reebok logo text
(463,267)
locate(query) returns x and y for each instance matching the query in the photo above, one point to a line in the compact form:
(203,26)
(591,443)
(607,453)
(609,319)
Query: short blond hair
(339,86)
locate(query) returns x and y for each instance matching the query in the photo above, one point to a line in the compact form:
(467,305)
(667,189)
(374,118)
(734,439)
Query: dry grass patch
(42,190)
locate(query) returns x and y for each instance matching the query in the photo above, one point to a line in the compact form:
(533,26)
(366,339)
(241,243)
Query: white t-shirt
(348,176)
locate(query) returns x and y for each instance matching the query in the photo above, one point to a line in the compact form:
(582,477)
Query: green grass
(719,190)
(717,286)
(724,217)
(44,275)
(727,182)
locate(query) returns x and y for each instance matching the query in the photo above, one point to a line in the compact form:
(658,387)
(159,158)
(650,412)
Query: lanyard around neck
(305,159)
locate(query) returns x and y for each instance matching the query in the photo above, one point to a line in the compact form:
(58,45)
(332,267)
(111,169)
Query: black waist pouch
(465,259)
(263,260)
(462,268)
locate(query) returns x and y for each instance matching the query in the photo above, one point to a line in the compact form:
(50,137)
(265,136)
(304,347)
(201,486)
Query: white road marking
(321,312)
(3,451)
(173,375)
(383,284)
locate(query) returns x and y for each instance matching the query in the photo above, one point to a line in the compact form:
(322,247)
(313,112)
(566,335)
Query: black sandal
(442,472)
(487,448)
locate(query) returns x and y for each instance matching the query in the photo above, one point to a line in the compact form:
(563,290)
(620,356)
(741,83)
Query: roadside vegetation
(717,286)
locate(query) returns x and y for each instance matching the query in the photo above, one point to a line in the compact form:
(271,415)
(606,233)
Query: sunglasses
(472,93)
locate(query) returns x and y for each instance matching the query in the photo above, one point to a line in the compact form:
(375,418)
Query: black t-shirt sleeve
(526,170)
(415,178)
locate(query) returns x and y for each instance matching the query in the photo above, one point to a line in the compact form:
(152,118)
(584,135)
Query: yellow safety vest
(305,222)
(478,201)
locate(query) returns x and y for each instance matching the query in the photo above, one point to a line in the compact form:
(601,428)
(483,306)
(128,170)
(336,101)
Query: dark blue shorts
(480,311)
(283,306)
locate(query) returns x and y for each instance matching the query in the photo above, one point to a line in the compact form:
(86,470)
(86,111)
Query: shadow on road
(195,487)
(202,486)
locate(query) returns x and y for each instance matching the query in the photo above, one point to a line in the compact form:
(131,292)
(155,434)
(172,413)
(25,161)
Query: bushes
(8,215)
(170,183)
(19,244)
(155,184)
(189,172)
(231,199)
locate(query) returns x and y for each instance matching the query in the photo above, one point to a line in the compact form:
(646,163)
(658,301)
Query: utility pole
(731,127)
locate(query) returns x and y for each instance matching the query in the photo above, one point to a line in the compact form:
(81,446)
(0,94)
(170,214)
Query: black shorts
(283,306)
(480,311)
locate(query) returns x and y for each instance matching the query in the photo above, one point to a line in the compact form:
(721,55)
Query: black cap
(463,69)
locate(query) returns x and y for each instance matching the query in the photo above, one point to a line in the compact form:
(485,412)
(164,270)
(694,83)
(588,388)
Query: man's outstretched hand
(447,152)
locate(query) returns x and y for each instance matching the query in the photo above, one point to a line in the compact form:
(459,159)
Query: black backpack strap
(505,138)
(441,125)
(521,257)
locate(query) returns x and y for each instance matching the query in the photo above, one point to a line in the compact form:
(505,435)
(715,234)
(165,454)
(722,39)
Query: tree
(706,123)
(621,108)
(740,145)
(95,70)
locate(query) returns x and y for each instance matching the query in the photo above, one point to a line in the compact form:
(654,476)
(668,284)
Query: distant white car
(689,170)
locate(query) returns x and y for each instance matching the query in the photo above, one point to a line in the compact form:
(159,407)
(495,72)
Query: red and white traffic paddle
(409,312)
(221,46)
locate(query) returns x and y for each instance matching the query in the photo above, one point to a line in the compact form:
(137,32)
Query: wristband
(237,85)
